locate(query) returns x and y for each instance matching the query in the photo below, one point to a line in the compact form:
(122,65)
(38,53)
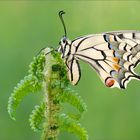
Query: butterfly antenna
(56,50)
(62,20)
(52,51)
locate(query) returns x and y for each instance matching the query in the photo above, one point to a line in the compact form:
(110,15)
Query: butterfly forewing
(74,72)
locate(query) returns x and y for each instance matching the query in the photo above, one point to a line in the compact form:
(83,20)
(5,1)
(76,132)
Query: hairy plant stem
(51,124)
(49,72)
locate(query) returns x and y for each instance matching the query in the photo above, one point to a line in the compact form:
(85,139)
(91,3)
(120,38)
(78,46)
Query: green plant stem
(51,125)
(51,130)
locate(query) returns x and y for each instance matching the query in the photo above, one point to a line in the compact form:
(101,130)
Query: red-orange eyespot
(109,82)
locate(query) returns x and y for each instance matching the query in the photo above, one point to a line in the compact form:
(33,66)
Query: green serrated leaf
(28,85)
(37,117)
(37,65)
(69,96)
(69,125)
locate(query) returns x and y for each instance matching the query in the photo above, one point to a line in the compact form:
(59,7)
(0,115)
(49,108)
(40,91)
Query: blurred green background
(28,26)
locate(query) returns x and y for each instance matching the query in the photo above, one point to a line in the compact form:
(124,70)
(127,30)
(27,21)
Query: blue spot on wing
(106,38)
(110,46)
(117,54)
(114,73)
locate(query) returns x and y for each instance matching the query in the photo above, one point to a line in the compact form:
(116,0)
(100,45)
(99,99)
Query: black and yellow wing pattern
(113,55)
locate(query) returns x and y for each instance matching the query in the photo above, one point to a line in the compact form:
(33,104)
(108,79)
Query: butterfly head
(64,47)
(64,43)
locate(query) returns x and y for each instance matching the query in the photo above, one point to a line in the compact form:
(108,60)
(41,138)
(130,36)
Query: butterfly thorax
(64,47)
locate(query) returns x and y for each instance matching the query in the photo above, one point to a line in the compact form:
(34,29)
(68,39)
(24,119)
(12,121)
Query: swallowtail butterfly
(113,55)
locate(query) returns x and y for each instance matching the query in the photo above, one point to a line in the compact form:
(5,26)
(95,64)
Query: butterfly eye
(64,41)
